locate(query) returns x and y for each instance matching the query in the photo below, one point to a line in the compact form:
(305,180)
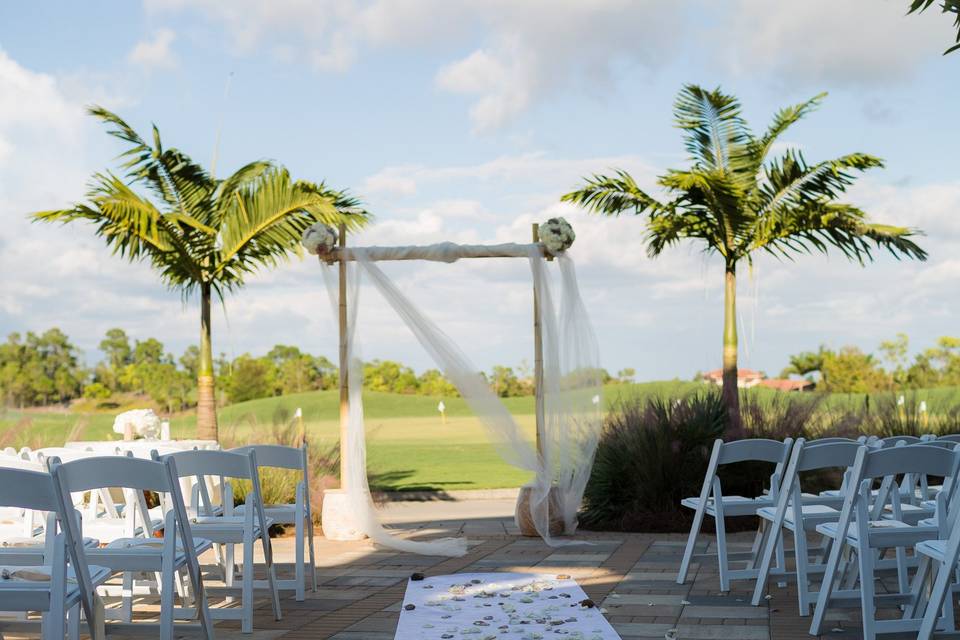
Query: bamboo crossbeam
(442,252)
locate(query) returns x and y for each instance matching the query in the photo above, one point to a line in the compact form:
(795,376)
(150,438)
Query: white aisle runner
(498,606)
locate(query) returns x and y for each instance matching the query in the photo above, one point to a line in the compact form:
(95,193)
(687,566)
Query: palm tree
(736,200)
(202,234)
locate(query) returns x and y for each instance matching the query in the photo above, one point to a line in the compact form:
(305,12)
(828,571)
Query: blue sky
(467,121)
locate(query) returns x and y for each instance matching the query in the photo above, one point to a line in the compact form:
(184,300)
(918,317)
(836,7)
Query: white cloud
(54,275)
(822,43)
(517,53)
(155,52)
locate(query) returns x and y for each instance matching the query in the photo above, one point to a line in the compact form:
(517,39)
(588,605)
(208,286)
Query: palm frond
(132,227)
(613,195)
(818,226)
(714,132)
(266,221)
(169,173)
(344,201)
(670,228)
(713,194)
(791,182)
(783,120)
(948,6)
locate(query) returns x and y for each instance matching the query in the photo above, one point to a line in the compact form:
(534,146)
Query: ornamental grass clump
(279,485)
(653,453)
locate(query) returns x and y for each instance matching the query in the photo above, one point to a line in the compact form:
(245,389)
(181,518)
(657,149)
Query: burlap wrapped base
(525,519)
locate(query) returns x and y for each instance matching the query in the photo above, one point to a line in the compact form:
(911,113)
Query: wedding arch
(566,380)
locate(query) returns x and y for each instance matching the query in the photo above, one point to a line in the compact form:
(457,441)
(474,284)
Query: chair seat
(279,513)
(883,533)
(36,542)
(141,554)
(732,505)
(223,528)
(155,544)
(936,549)
(18,577)
(910,513)
(107,529)
(812,514)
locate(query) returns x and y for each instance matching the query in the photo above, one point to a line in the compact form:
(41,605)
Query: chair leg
(126,606)
(246,581)
(766,559)
(229,569)
(167,590)
(298,559)
(866,559)
(757,545)
(781,560)
(73,622)
(903,582)
(826,588)
(199,599)
(272,582)
(311,552)
(52,625)
(920,580)
(722,553)
(801,558)
(691,545)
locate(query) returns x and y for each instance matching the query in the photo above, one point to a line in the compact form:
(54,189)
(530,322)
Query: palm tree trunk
(731,394)
(206,394)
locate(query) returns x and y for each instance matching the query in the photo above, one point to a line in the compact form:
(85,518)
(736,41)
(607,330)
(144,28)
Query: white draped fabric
(571,392)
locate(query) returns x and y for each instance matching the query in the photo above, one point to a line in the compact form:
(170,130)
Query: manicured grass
(409,447)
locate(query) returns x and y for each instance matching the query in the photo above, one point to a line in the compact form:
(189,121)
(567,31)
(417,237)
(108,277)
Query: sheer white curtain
(571,385)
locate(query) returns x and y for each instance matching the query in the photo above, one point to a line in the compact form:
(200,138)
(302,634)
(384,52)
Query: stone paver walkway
(632,576)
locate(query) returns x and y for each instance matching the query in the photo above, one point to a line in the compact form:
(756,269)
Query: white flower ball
(319,239)
(557,235)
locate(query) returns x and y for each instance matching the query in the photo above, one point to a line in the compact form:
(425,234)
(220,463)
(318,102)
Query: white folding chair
(54,588)
(713,503)
(864,534)
(298,513)
(177,550)
(812,456)
(102,508)
(938,565)
(229,529)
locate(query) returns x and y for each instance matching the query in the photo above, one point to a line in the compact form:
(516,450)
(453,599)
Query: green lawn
(408,445)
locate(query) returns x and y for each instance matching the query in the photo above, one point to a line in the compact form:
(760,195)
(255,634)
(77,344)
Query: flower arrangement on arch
(319,239)
(557,235)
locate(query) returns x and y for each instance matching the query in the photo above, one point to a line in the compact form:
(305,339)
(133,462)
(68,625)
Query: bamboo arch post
(344,365)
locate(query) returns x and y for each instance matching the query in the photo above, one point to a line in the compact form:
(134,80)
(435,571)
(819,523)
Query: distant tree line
(851,370)
(45,369)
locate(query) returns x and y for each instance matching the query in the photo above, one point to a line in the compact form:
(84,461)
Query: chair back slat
(828,455)
(917,458)
(211,463)
(274,455)
(822,441)
(113,472)
(754,449)
(894,441)
(26,489)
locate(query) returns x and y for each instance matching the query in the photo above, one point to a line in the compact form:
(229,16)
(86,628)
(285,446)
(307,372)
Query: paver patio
(631,575)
